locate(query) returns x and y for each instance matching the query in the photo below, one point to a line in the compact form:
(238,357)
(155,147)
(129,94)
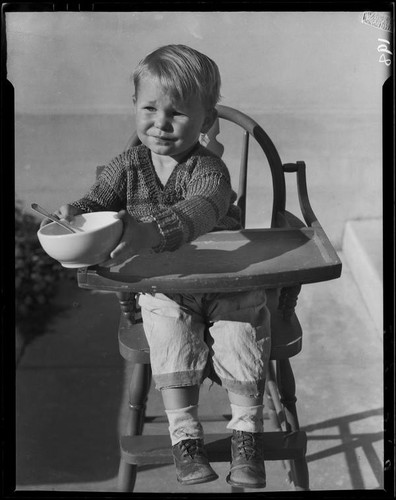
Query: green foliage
(36,274)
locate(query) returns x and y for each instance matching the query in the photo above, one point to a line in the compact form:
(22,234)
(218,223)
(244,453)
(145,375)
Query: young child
(168,191)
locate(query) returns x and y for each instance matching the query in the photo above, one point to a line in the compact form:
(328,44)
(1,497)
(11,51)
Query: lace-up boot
(192,464)
(247,464)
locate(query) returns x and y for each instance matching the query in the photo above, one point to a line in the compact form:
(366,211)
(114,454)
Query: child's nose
(161,120)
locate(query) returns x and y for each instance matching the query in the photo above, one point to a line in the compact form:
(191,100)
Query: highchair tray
(225,261)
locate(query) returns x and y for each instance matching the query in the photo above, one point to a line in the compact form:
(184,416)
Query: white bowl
(98,234)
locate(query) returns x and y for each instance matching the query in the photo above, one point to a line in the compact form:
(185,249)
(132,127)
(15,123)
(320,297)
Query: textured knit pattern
(196,199)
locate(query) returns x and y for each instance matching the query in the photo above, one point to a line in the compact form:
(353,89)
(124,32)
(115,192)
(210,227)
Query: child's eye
(149,108)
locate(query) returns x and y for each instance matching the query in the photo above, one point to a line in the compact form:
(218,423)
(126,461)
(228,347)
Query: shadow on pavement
(69,390)
(351,442)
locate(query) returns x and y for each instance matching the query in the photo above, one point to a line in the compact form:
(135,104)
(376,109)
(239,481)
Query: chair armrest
(306,209)
(288,295)
(305,205)
(308,214)
(287,219)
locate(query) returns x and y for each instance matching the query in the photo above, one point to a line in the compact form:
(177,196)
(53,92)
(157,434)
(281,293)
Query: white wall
(312,79)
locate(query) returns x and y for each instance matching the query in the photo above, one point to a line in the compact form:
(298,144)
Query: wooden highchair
(279,258)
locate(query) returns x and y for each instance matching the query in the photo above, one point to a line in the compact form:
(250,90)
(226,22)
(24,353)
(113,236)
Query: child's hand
(136,236)
(66,212)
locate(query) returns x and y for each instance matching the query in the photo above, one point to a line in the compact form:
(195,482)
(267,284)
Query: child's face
(168,128)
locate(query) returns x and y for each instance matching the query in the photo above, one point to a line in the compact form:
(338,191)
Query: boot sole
(244,485)
(200,480)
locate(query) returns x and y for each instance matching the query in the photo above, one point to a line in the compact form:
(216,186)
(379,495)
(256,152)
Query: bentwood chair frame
(288,442)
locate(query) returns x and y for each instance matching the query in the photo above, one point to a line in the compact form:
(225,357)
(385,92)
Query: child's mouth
(163,139)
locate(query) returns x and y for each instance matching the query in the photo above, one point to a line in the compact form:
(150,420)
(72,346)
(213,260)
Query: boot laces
(249,445)
(191,447)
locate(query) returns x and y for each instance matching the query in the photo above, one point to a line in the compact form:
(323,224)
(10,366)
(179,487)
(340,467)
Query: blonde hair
(183,72)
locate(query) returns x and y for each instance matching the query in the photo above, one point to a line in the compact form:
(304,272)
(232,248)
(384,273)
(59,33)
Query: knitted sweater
(196,199)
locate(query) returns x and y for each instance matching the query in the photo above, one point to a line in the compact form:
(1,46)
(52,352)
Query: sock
(184,424)
(247,418)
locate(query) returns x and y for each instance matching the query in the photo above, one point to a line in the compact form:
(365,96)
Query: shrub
(36,274)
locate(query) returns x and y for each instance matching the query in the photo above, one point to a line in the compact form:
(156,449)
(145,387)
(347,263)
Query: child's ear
(210,118)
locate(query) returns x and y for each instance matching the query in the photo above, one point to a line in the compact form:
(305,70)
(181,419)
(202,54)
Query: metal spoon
(53,217)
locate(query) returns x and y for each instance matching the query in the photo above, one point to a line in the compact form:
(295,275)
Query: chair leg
(276,412)
(126,477)
(287,390)
(139,388)
(138,392)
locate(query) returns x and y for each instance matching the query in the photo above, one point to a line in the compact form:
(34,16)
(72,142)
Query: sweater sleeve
(207,201)
(109,190)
